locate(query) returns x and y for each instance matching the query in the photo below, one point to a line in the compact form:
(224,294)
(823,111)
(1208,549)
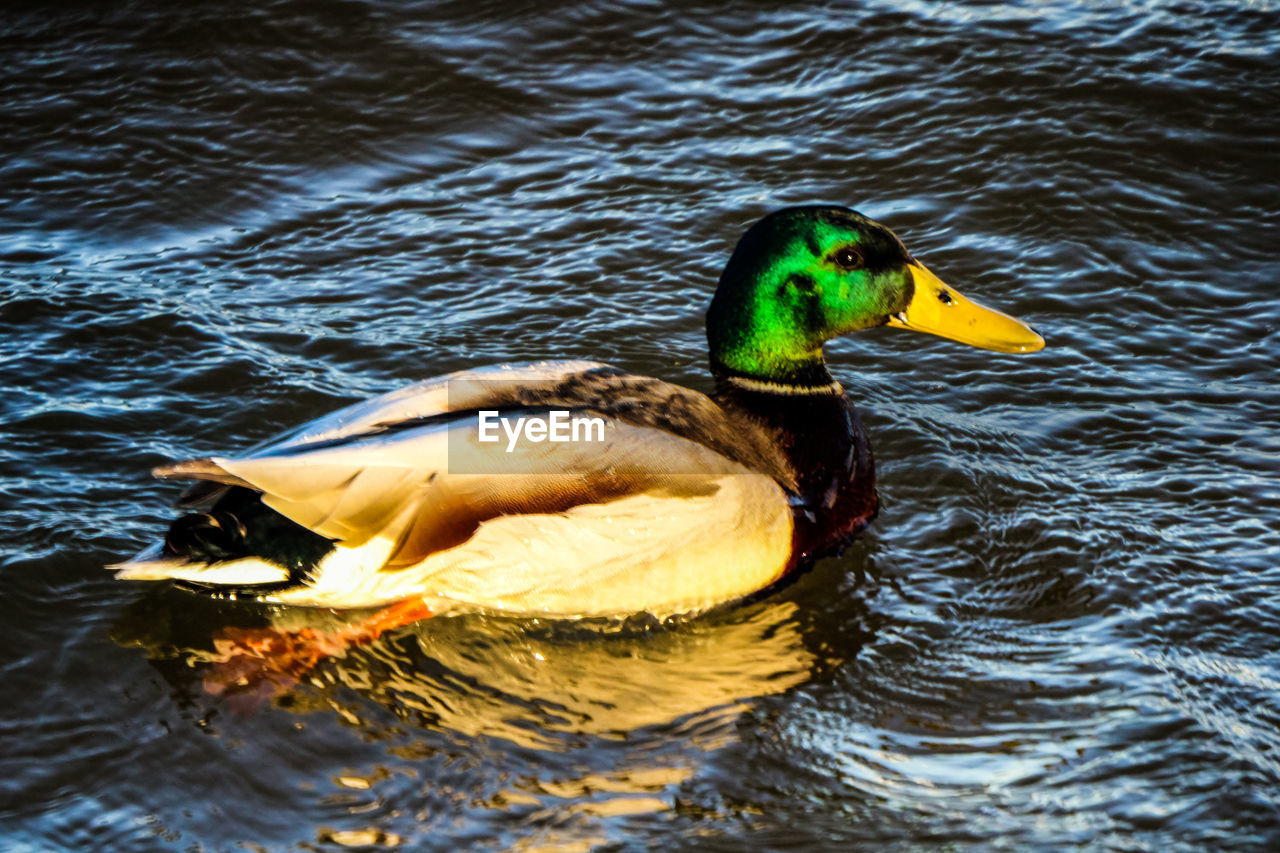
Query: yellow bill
(939,310)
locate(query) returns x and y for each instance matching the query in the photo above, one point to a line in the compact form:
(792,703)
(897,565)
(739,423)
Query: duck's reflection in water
(479,674)
(516,691)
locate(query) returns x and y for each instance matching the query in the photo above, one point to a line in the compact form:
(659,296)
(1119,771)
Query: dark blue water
(219,220)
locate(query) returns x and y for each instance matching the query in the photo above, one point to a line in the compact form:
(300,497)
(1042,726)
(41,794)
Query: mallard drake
(667,501)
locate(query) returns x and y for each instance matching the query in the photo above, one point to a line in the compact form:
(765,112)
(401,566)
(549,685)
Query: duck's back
(677,507)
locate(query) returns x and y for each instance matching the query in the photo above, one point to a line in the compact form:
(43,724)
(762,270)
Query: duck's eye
(847,258)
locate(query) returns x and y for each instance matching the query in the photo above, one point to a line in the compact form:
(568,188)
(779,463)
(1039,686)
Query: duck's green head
(804,275)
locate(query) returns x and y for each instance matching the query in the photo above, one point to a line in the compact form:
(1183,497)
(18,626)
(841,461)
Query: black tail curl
(240,525)
(207,537)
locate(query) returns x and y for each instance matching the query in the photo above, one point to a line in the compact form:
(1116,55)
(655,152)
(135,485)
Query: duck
(575,489)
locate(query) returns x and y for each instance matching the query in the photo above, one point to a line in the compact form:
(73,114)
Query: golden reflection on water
(498,685)
(512,680)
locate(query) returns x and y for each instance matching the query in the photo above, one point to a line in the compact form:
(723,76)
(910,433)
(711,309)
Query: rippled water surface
(218,220)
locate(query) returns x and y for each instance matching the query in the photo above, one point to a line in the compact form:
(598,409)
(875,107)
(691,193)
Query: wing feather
(478,388)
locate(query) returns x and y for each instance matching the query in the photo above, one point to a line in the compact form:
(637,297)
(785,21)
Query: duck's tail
(237,544)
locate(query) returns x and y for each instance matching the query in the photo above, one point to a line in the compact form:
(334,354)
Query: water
(216,222)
